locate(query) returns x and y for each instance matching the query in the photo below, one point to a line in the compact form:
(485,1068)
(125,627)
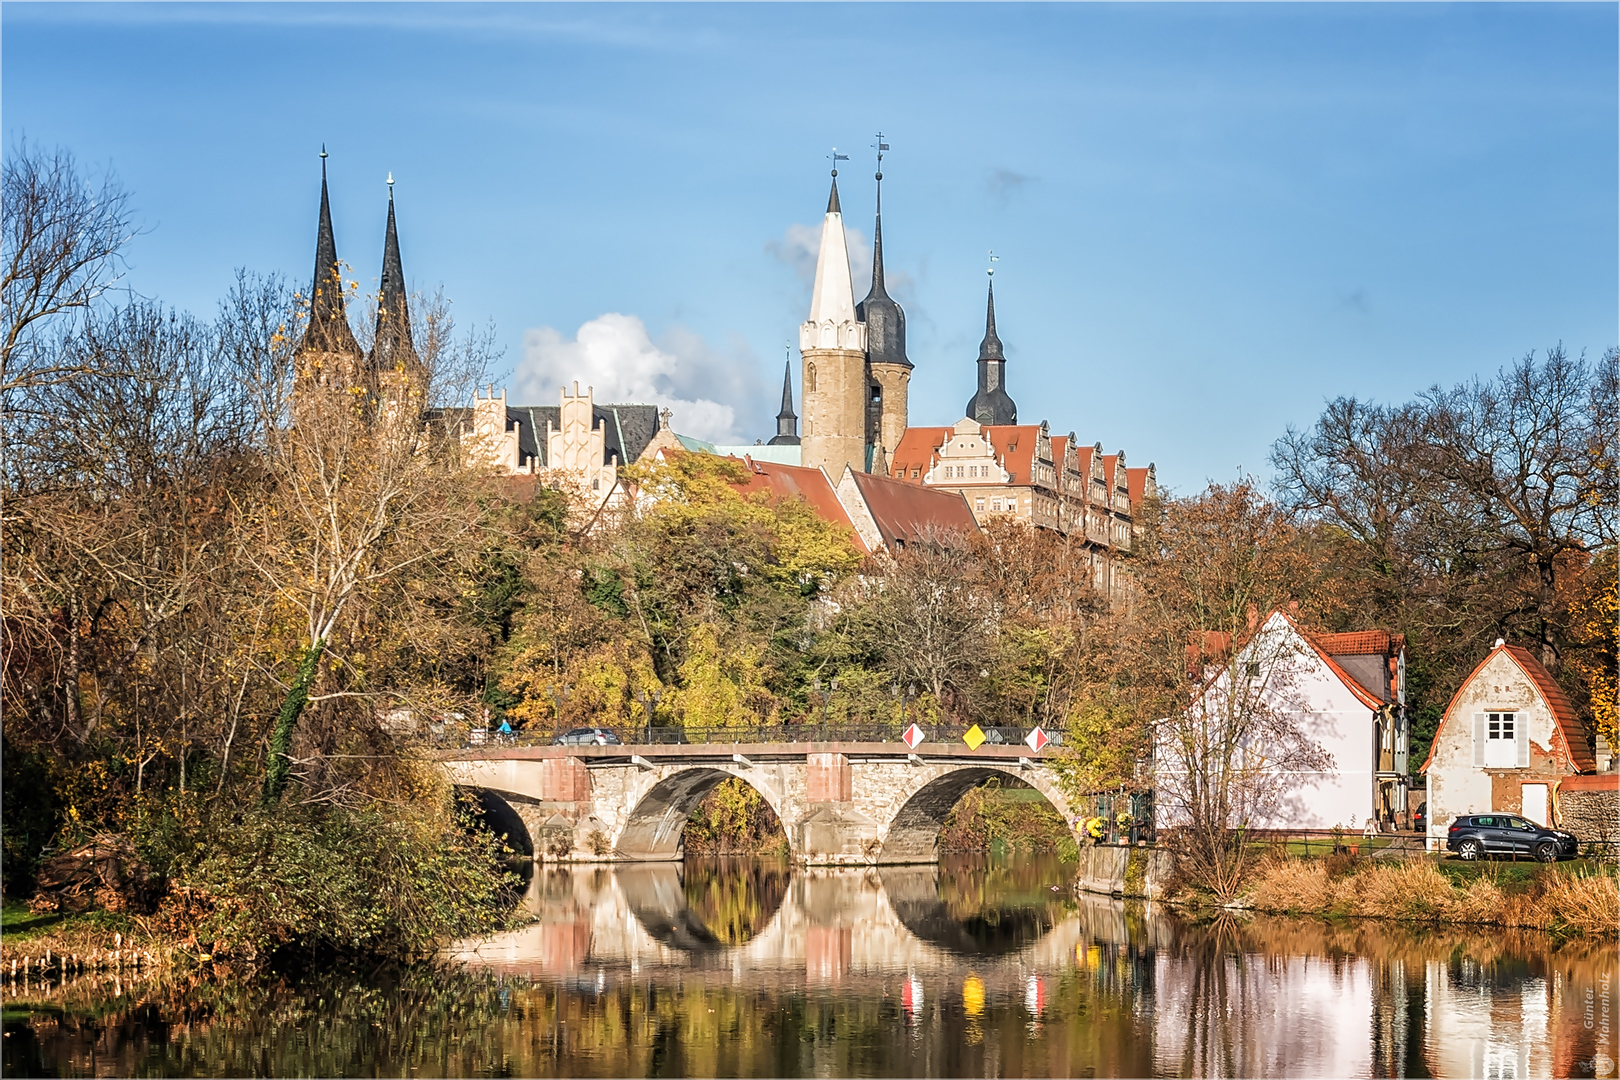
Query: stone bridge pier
(839,803)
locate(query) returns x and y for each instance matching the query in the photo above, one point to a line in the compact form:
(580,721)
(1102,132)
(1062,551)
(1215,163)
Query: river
(977,967)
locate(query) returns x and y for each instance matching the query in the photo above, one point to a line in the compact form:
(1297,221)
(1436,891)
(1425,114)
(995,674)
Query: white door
(1534,805)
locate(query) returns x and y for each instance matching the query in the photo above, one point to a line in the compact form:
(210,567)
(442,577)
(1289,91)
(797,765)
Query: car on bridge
(1475,836)
(587,736)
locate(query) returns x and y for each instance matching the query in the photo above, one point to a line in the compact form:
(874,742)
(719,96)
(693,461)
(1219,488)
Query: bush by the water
(1545,898)
(387,880)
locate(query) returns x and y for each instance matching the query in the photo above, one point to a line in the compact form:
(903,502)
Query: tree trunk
(72,695)
(275,773)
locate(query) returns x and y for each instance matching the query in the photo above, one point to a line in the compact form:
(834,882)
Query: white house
(1345,693)
(1505,742)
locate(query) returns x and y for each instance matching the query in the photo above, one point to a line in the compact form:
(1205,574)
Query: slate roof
(629,429)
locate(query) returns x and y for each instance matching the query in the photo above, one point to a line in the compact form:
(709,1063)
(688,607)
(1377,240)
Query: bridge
(840,803)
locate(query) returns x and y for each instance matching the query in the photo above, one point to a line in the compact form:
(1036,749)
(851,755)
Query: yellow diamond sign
(973,737)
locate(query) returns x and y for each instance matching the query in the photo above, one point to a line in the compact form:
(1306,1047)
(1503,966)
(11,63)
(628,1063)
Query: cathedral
(855,383)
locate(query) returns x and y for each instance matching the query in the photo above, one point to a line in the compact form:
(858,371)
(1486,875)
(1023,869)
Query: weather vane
(881,147)
(836,158)
(994,258)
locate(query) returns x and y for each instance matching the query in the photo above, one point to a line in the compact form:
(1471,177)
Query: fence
(808,731)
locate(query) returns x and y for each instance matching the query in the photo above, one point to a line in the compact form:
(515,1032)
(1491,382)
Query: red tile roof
(1014,446)
(795,481)
(917,450)
(1568,734)
(1084,464)
(1609,781)
(1361,643)
(1060,443)
(906,512)
(1136,480)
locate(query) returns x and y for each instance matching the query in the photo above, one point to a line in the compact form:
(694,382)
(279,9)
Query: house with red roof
(1507,742)
(1346,693)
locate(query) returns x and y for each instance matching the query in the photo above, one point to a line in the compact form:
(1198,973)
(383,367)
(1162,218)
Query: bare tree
(932,616)
(365,493)
(62,236)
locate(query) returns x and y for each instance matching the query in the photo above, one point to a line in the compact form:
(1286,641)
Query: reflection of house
(1347,694)
(1505,742)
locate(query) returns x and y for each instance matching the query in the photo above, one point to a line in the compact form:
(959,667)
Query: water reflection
(972,968)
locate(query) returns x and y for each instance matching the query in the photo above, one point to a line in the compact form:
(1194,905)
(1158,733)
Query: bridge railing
(845,731)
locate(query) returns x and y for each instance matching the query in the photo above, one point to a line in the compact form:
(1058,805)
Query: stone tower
(991,405)
(887,368)
(392,352)
(832,342)
(328,356)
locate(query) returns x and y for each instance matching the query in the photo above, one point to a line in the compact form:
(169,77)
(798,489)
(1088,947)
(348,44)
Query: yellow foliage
(721,688)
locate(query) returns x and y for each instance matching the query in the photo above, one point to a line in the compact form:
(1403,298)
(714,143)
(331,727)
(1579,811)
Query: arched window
(809,378)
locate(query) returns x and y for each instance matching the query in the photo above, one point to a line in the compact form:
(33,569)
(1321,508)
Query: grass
(1581,899)
(62,932)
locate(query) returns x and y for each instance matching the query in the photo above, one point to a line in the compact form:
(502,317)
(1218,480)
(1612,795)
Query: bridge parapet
(857,803)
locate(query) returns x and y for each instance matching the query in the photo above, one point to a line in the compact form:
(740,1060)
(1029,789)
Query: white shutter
(1479,740)
(1521,736)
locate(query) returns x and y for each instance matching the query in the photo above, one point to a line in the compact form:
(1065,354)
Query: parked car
(587,736)
(1476,836)
(1420,817)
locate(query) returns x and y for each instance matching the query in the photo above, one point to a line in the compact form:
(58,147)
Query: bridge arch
(655,825)
(913,835)
(501,818)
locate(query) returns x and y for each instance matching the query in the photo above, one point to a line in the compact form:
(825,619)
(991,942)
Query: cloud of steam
(616,356)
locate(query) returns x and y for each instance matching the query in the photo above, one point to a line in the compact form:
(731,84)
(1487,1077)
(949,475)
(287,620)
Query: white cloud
(615,355)
(800,244)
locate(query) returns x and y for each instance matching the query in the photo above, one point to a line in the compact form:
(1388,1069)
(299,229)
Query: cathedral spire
(328,329)
(787,421)
(884,319)
(833,298)
(991,405)
(392,349)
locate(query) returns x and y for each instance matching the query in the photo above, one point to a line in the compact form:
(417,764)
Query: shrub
(394,882)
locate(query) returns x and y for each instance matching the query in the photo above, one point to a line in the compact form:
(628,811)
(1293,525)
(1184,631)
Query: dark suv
(1483,835)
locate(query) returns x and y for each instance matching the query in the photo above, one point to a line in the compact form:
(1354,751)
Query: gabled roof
(1084,454)
(628,429)
(905,513)
(918,450)
(1136,481)
(1014,446)
(1566,725)
(1110,472)
(1362,643)
(1213,641)
(797,481)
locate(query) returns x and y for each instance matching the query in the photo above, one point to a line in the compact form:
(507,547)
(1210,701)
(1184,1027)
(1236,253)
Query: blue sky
(1209,218)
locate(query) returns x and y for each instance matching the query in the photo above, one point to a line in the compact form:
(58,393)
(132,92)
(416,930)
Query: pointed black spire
(393,349)
(787,421)
(990,347)
(328,329)
(991,405)
(885,320)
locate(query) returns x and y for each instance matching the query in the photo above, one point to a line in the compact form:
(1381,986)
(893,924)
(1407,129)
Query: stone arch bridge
(850,803)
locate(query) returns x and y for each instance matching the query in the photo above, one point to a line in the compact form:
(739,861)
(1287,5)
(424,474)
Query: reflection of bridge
(844,803)
(831,926)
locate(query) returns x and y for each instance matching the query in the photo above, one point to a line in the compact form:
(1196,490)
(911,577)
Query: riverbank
(54,947)
(1580,899)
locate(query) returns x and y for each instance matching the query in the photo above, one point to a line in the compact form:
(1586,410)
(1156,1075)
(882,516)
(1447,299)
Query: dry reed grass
(1416,892)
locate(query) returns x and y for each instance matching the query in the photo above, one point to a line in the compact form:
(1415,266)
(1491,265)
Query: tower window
(809,378)
(877,394)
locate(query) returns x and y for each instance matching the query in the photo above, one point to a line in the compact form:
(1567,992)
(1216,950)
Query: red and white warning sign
(913,736)
(1037,740)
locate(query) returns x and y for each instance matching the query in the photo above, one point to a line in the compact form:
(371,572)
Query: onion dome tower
(888,368)
(991,405)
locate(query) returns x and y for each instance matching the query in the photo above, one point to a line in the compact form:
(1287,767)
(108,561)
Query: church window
(877,394)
